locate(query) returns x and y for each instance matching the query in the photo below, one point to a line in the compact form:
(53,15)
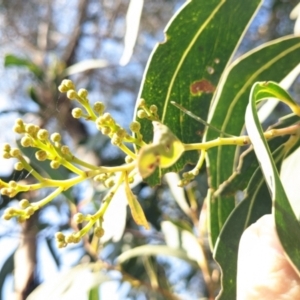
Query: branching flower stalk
(163,152)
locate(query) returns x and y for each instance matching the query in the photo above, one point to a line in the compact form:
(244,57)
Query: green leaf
(6,269)
(287,225)
(135,207)
(257,202)
(11,60)
(271,61)
(187,66)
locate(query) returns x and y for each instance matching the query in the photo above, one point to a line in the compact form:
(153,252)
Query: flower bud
(99,108)
(142,114)
(24,203)
(83,93)
(43,134)
(15,152)
(77,113)
(55,137)
(99,232)
(18,166)
(41,155)
(26,141)
(71,94)
(135,126)
(54,164)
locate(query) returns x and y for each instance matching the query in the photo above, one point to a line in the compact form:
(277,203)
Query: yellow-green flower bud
(107,117)
(21,219)
(6,147)
(54,164)
(115,140)
(128,159)
(18,166)
(43,134)
(12,184)
(105,130)
(11,211)
(65,150)
(99,232)
(6,217)
(41,155)
(135,126)
(83,93)
(29,211)
(24,203)
(153,109)
(55,137)
(18,129)
(6,155)
(68,83)
(77,113)
(59,236)
(121,133)
(141,102)
(78,218)
(62,88)
(142,114)
(15,152)
(71,94)
(26,141)
(69,238)
(30,128)
(99,108)
(19,122)
(109,183)
(130,180)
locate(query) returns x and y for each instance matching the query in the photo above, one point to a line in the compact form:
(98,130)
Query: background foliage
(42,43)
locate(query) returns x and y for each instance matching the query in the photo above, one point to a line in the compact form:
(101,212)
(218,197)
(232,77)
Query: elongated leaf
(6,269)
(287,225)
(257,202)
(271,61)
(187,67)
(135,207)
(12,60)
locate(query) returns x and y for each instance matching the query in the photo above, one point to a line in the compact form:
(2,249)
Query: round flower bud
(55,137)
(78,218)
(18,166)
(69,238)
(6,155)
(105,130)
(141,102)
(77,113)
(54,164)
(24,203)
(128,159)
(12,184)
(83,93)
(42,134)
(15,152)
(99,232)
(6,147)
(41,155)
(30,128)
(99,108)
(29,211)
(18,129)
(62,88)
(60,236)
(19,122)
(142,114)
(6,217)
(68,83)
(121,133)
(135,126)
(153,109)
(109,183)
(65,150)
(26,141)
(71,94)
(116,141)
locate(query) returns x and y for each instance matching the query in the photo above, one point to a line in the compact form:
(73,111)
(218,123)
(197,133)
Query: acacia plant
(191,71)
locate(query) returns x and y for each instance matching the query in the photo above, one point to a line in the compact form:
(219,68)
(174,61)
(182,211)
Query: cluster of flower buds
(25,212)
(147,112)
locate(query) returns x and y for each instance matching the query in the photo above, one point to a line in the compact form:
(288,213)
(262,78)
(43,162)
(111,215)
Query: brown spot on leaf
(201,86)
